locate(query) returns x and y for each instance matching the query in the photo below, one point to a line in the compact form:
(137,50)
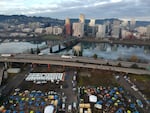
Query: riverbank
(124,42)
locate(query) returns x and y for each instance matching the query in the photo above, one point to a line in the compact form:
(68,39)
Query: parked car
(70,108)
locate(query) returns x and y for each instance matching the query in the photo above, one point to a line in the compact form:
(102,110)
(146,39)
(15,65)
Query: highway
(77,62)
(84,60)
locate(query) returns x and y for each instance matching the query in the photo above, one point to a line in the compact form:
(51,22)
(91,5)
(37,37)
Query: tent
(98,106)
(119,111)
(49,109)
(93,98)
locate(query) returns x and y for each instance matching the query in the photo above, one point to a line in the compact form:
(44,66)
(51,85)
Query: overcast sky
(138,9)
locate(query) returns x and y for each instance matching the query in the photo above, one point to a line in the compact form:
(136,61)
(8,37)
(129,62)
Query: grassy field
(96,78)
(52,37)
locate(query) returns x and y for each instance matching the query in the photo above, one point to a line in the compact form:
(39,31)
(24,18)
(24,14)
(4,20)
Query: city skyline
(91,9)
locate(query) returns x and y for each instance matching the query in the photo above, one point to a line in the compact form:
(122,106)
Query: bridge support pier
(59,47)
(51,49)
(48,66)
(5,65)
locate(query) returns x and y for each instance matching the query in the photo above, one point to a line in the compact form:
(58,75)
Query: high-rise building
(78,29)
(68,26)
(91,31)
(82,18)
(141,30)
(116,30)
(132,24)
(124,23)
(148,31)
(108,28)
(92,22)
(67,21)
(101,33)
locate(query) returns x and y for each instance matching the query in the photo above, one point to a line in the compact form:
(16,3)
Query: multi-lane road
(78,62)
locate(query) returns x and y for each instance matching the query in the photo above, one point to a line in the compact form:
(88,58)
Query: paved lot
(68,91)
(17,80)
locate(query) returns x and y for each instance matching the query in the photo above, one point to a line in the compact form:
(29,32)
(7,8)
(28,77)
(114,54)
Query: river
(103,50)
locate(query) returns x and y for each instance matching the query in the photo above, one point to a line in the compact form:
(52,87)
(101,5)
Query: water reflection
(113,51)
(19,47)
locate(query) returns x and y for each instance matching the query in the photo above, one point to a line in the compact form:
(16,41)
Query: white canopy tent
(45,77)
(49,109)
(93,98)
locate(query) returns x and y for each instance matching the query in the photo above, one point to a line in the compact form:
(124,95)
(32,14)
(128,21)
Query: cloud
(72,8)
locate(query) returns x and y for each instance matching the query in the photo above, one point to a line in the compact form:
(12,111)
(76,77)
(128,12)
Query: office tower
(68,26)
(132,24)
(116,30)
(125,24)
(82,18)
(91,31)
(101,33)
(148,32)
(67,21)
(141,30)
(108,28)
(78,29)
(92,22)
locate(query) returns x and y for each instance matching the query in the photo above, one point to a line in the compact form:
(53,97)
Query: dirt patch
(142,82)
(43,68)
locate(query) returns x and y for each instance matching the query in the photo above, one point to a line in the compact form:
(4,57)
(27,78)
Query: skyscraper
(125,24)
(67,21)
(91,31)
(116,30)
(92,22)
(78,29)
(148,31)
(132,24)
(108,28)
(68,26)
(101,31)
(82,18)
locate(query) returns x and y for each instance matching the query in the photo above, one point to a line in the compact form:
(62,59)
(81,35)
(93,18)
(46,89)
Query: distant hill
(22,19)
(102,21)
(142,23)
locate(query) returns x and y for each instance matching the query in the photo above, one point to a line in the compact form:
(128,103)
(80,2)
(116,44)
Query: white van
(63,105)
